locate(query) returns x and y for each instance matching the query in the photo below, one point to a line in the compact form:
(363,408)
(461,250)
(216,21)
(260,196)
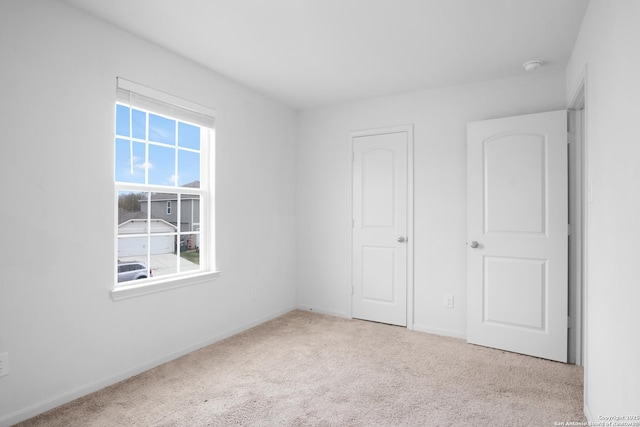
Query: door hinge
(570,323)
(569,229)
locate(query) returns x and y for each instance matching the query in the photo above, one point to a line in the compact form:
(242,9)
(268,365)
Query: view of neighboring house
(167,214)
(165,206)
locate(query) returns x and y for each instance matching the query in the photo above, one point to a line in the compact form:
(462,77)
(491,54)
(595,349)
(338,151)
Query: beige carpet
(307,369)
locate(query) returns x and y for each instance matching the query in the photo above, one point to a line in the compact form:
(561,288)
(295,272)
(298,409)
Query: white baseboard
(587,413)
(68,396)
(323,311)
(436,331)
(414,327)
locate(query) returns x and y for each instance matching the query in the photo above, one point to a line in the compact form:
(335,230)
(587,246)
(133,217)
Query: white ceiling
(309,53)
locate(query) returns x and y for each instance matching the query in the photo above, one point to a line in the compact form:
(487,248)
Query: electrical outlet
(448,301)
(4,364)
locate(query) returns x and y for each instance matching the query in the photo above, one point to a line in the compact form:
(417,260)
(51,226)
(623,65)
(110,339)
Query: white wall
(439,118)
(609,47)
(64,334)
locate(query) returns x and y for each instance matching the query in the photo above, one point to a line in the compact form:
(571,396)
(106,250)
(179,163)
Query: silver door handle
(401,239)
(474,244)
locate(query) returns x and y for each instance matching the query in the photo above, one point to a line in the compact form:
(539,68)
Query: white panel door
(518,234)
(380,195)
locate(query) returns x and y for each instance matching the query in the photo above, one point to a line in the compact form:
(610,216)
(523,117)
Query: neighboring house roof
(134,226)
(194,184)
(125,215)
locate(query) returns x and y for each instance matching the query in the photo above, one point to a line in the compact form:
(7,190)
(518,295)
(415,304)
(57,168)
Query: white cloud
(145,165)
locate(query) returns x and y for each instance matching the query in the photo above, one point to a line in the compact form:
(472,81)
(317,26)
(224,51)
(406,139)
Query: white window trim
(210,272)
(165,97)
(132,291)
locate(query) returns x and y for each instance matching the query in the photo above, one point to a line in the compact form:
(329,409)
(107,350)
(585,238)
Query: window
(162,182)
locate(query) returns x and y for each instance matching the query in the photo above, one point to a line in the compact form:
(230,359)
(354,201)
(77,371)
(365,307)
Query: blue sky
(131,160)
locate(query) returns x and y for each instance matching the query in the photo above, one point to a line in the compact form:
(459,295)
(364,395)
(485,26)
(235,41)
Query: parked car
(132,270)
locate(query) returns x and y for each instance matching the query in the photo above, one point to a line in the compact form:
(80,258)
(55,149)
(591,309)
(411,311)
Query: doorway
(578,199)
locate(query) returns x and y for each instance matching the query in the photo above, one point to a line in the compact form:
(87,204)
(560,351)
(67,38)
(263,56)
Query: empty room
(320,212)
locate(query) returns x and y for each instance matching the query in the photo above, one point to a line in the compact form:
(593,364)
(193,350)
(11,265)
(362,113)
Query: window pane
(163,220)
(130,164)
(162,129)
(131,270)
(189,252)
(122,120)
(162,165)
(131,249)
(190,213)
(188,169)
(163,255)
(139,125)
(188,136)
(132,214)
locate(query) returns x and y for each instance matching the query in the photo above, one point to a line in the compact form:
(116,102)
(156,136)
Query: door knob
(401,239)
(474,244)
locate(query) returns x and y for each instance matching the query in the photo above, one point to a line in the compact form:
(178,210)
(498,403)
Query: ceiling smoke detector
(532,65)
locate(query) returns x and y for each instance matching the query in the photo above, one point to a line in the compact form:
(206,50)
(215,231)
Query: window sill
(126,292)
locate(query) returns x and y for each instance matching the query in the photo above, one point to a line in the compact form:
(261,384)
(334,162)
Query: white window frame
(207,271)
